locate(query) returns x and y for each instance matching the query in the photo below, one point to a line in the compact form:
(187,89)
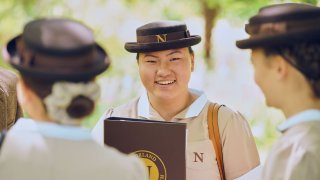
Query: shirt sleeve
(98,130)
(304,167)
(240,154)
(303,163)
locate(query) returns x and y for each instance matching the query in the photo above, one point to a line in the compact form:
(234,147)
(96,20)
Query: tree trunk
(210,15)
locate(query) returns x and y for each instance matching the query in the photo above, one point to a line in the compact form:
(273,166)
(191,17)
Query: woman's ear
(282,67)
(192,61)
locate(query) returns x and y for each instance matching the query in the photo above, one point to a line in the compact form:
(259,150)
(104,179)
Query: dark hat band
(281,27)
(160,38)
(40,60)
(60,52)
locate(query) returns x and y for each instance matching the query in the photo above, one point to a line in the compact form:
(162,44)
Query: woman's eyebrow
(150,55)
(174,52)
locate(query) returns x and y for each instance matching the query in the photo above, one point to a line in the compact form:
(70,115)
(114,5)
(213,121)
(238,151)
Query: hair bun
(80,107)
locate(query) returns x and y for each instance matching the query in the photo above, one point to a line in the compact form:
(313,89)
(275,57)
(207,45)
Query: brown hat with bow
(162,35)
(57,49)
(282,24)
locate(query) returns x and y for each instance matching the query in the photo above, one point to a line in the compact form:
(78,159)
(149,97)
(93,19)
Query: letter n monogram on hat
(161,37)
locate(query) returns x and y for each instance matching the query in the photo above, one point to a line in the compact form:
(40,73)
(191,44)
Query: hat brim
(279,39)
(99,65)
(152,47)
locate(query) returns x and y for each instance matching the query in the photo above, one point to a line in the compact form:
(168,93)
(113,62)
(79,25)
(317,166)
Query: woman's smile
(165,82)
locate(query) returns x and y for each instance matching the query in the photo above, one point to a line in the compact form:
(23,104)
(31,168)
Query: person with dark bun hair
(58,60)
(285,44)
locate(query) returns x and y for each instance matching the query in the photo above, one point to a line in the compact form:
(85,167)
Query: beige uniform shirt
(296,156)
(239,150)
(47,151)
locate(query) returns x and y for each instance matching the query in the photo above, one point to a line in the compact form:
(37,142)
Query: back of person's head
(58,59)
(290,30)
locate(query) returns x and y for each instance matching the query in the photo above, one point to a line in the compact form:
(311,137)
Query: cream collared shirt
(296,155)
(47,151)
(240,154)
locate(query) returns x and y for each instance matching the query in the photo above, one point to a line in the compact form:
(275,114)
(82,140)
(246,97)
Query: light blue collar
(193,110)
(144,106)
(54,130)
(310,115)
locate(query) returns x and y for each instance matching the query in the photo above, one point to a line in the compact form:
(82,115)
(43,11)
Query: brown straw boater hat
(282,24)
(57,49)
(162,35)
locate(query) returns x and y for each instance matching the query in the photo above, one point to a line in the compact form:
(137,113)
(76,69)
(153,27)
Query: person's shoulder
(131,103)
(227,113)
(109,153)
(127,109)
(309,136)
(229,117)
(24,129)
(128,163)
(304,159)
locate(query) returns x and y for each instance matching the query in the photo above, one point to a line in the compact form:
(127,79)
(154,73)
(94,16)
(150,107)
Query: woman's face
(166,74)
(265,75)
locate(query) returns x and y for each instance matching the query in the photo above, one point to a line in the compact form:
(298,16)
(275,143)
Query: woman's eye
(174,59)
(151,61)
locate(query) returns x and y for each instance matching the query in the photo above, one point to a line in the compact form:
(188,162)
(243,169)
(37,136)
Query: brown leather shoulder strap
(215,136)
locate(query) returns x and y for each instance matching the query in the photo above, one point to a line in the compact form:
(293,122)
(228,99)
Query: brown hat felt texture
(162,35)
(282,24)
(57,49)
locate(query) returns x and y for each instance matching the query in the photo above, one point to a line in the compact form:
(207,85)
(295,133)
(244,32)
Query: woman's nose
(163,69)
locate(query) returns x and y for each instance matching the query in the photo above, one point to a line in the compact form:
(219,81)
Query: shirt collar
(302,117)
(143,105)
(53,130)
(193,110)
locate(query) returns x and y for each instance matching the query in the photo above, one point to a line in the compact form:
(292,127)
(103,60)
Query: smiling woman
(166,61)
(165,74)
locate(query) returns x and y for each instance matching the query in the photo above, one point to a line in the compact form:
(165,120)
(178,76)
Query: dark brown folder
(161,145)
